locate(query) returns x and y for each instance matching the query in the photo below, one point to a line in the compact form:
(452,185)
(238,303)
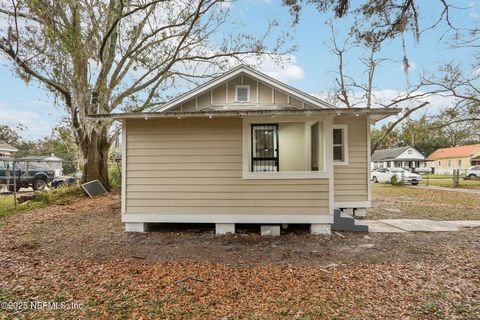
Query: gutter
(381,113)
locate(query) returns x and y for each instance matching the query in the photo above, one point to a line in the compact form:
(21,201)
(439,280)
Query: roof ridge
(253,73)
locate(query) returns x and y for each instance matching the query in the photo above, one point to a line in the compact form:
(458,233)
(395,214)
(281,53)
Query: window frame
(247,174)
(344,128)
(276,158)
(242,86)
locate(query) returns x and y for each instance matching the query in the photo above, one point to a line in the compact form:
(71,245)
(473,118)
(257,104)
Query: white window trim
(246,151)
(344,127)
(246,86)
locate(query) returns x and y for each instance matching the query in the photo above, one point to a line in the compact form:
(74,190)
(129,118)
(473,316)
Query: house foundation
(320,229)
(270,230)
(135,227)
(224,228)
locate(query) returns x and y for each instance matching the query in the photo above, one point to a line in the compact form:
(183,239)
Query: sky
(310,68)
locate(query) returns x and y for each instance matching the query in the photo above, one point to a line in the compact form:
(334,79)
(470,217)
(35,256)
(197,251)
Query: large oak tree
(101,56)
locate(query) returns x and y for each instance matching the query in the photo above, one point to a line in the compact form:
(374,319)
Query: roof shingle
(455,152)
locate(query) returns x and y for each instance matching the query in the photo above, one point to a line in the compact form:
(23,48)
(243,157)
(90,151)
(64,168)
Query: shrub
(115,177)
(394,181)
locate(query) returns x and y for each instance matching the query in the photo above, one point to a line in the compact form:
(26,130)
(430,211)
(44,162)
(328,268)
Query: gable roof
(455,152)
(42,158)
(385,154)
(243,69)
(6,147)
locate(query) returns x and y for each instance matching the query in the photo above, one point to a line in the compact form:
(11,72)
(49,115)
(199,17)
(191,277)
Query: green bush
(43,198)
(115,177)
(394,181)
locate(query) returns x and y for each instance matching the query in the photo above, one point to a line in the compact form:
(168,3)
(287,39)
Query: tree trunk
(95,154)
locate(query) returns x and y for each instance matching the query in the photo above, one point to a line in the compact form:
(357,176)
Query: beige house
(245,148)
(462,157)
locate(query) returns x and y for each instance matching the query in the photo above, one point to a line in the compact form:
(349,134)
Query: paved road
(408,225)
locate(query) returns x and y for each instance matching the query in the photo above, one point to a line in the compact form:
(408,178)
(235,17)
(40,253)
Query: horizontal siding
(226,210)
(351,181)
(209,181)
(183,159)
(258,188)
(194,166)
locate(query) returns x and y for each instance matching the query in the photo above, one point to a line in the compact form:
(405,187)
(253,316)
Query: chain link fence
(35,174)
(459,178)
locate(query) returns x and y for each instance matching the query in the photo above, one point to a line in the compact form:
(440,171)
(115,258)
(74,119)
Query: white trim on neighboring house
(258,76)
(345,161)
(227,218)
(353,204)
(124,166)
(246,151)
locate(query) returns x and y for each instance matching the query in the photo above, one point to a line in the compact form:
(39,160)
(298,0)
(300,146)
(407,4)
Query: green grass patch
(44,198)
(448,183)
(115,177)
(404,202)
(437,176)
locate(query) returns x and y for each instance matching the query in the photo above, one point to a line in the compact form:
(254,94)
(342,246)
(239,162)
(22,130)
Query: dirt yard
(394,202)
(78,253)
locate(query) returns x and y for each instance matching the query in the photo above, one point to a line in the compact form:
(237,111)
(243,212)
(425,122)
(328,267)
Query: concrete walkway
(408,225)
(473,191)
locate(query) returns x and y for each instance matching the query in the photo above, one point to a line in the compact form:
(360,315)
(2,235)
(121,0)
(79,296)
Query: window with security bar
(265,148)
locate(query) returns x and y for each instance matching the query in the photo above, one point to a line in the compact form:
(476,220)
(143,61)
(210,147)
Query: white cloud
(284,71)
(474,15)
(37,124)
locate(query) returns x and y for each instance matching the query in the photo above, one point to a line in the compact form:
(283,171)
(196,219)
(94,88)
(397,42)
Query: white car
(473,172)
(386,175)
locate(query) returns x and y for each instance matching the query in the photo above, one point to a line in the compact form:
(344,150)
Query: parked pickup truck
(25,176)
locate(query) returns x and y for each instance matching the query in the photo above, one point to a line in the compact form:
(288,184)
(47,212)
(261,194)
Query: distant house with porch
(447,159)
(401,157)
(6,150)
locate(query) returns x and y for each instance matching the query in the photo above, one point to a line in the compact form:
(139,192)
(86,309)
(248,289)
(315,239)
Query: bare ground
(78,252)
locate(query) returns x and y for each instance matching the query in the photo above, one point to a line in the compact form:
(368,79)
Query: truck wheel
(38,184)
(60,185)
(472,176)
(10,188)
(375,180)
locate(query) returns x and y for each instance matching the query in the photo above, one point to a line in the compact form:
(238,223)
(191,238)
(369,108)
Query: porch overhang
(375,114)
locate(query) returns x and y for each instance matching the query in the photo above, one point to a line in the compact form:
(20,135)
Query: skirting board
(353,204)
(226,218)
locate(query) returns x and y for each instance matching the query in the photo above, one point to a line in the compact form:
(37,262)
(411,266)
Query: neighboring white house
(6,150)
(50,162)
(245,148)
(401,157)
